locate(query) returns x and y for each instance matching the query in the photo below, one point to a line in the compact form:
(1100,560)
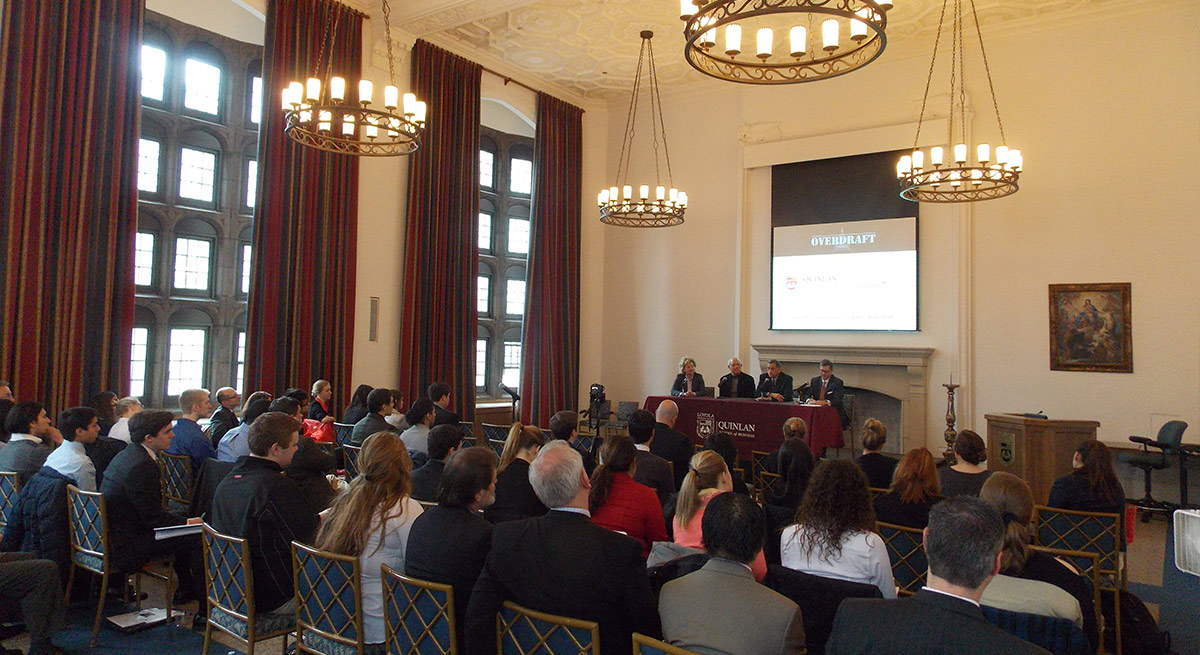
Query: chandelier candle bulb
(829,34)
(960,153)
(1001,155)
(765,39)
(627,192)
(683,200)
(686,9)
(612,194)
(858,29)
(420,115)
(313,90)
(391,97)
(673,194)
(885,5)
(905,165)
(733,39)
(976,176)
(337,88)
(365,91)
(918,160)
(287,98)
(984,153)
(936,155)
(660,193)
(348,125)
(409,104)
(1014,160)
(602,198)
(799,40)
(644,191)
(954,178)
(325,119)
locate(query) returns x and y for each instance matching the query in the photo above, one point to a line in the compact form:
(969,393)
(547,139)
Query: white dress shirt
(71,460)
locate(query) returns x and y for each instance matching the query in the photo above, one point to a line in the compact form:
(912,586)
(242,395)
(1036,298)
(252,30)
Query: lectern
(1037,450)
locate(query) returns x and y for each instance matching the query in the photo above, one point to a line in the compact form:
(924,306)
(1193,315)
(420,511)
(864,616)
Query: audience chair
(329,618)
(351,453)
(419,615)
(176,475)
(588,441)
(907,553)
(876,492)
(851,408)
(468,430)
(521,631)
(495,431)
(758,464)
(496,445)
(341,433)
(230,590)
(1170,436)
(426,504)
(1057,635)
(1088,566)
(88,516)
(768,484)
(643,645)
(698,446)
(10,486)
(818,598)
(328,447)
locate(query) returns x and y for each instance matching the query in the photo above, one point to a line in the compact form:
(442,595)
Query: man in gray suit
(720,608)
(31,438)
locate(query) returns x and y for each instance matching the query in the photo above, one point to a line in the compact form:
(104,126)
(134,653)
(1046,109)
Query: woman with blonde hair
(688,382)
(707,477)
(915,489)
(371,521)
(515,498)
(320,410)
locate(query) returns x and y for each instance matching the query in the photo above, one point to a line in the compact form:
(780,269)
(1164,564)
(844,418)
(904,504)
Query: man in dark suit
(775,384)
(133,493)
(564,425)
(564,564)
(828,389)
(670,444)
(735,383)
(652,470)
(450,541)
(962,543)
(439,393)
(443,441)
(223,420)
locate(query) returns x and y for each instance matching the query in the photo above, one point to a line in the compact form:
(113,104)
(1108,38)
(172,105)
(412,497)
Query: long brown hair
(916,479)
(385,479)
(704,472)
(1098,469)
(617,456)
(836,501)
(1013,499)
(520,437)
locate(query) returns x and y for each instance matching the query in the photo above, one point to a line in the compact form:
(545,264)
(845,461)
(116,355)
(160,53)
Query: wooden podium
(1037,450)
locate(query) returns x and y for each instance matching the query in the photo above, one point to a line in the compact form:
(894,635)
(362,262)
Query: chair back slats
(468,430)
(176,478)
(769,484)
(758,466)
(1090,571)
(341,433)
(522,631)
(227,573)
(494,431)
(351,453)
(88,518)
(418,615)
(643,645)
(10,485)
(496,445)
(905,550)
(587,441)
(1090,532)
(1057,635)
(876,492)
(328,596)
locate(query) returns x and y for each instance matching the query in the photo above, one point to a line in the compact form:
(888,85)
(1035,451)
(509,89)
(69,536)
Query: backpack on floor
(1139,631)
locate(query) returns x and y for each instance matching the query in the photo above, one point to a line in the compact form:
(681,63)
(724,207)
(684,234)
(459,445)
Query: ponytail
(704,472)
(520,437)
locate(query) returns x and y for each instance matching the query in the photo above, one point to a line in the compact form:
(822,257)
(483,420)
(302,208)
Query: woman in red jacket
(618,503)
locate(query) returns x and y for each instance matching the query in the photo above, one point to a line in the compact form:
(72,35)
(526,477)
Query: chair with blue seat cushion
(229,582)
(419,615)
(468,430)
(341,433)
(495,435)
(329,618)
(643,645)
(10,486)
(906,550)
(176,476)
(1167,445)
(351,453)
(1057,635)
(522,631)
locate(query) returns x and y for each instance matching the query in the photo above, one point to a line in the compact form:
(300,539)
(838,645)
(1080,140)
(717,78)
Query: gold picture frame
(1091,327)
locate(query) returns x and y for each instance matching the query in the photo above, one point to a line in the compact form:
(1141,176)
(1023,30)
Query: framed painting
(1090,328)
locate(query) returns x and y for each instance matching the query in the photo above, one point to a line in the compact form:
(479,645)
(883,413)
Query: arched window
(195,248)
(187,350)
(141,354)
(518,230)
(145,252)
(199,169)
(520,176)
(254,93)
(487,163)
(154,65)
(203,81)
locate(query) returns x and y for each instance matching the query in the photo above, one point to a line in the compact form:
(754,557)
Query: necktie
(823,383)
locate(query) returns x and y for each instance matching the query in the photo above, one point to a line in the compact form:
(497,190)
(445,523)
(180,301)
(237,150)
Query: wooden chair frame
(497,445)
(341,433)
(1091,572)
(351,453)
(643,645)
(222,586)
(308,586)
(900,553)
(401,596)
(175,473)
(495,431)
(758,466)
(512,615)
(468,430)
(10,486)
(768,483)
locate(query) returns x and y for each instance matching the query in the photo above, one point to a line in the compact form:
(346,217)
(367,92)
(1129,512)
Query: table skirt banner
(754,424)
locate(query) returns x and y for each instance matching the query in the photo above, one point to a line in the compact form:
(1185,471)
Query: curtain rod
(508,79)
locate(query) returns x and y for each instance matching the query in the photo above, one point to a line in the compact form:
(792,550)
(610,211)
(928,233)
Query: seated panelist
(736,384)
(688,382)
(775,384)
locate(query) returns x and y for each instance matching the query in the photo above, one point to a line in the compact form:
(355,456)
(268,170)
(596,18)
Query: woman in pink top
(618,503)
(706,478)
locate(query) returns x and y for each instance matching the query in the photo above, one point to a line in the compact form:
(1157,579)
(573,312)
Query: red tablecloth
(754,424)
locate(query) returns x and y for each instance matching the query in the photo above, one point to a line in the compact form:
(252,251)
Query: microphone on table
(510,391)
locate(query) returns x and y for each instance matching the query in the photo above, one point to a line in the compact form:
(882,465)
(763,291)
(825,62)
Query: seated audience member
(443,440)
(398,418)
(5,407)
(688,383)
(775,384)
(126,408)
(449,542)
(1013,500)
(707,477)
(236,442)
(379,405)
(723,445)
(564,425)
(515,497)
(439,393)
(105,404)
(372,521)
(33,585)
(357,408)
(720,608)
(796,463)
(735,383)
(256,502)
(133,492)
(618,503)
(793,428)
(6,392)
(321,409)
(879,467)
(915,489)
(189,437)
(833,535)
(257,395)
(669,443)
(1092,486)
(224,419)
(308,466)
(963,545)
(31,437)
(37,520)
(564,564)
(966,477)
(420,419)
(79,427)
(652,470)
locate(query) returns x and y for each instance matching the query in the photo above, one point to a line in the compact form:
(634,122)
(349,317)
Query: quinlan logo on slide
(791,284)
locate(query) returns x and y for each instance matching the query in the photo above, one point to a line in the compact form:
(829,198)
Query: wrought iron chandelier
(993,173)
(322,116)
(791,23)
(618,204)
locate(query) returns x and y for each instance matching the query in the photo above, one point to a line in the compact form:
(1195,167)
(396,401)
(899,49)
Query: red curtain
(550,350)
(301,314)
(437,336)
(68,195)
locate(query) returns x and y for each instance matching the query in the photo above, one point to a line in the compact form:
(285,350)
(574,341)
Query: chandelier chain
(387,36)
(656,122)
(627,142)
(332,34)
(326,43)
(929,78)
(988,70)
(962,71)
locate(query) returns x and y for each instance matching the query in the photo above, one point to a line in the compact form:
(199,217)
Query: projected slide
(859,275)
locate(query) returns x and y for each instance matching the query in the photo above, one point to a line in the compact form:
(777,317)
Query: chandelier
(618,205)
(993,173)
(781,31)
(319,114)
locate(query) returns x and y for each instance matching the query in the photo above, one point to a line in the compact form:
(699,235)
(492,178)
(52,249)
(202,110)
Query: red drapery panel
(68,196)
(437,336)
(301,314)
(550,350)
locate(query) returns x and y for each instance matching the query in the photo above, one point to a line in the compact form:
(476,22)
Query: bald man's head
(667,412)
